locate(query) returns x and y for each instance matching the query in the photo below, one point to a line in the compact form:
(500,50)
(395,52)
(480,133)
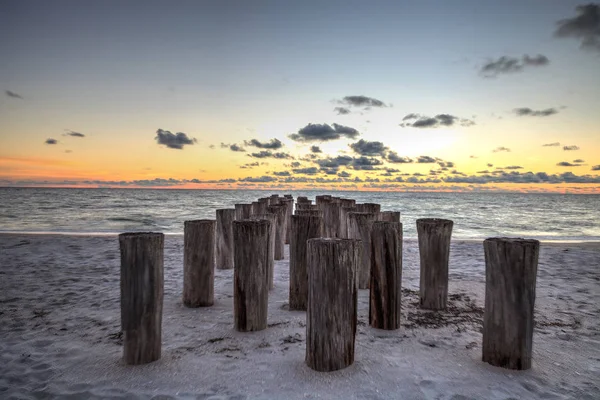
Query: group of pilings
(336,248)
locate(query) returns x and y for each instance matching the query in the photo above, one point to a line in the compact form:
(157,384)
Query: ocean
(551,217)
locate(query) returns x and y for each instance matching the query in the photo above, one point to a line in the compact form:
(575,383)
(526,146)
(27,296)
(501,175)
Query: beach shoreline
(61,322)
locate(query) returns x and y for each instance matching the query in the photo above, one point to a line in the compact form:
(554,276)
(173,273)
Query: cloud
(273,144)
(315,149)
(584,27)
(570,148)
(270,154)
(508,65)
(366,148)
(526,177)
(596,168)
(567,164)
(439,120)
(361,101)
(250,165)
(306,171)
(499,149)
(264,178)
(74,134)
(345,174)
(490,165)
(341,110)
(323,132)
(511,167)
(579,161)
(526,111)
(236,147)
(13,95)
(393,157)
(365,163)
(51,141)
(212,146)
(425,160)
(335,162)
(173,141)
(555,144)
(281,173)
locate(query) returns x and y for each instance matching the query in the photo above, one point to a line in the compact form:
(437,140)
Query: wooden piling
(332,301)
(359,227)
(280,213)
(344,211)
(302,229)
(368,207)
(243,211)
(508,322)
(289,211)
(331,219)
(389,216)
(199,263)
(142,289)
(224,238)
(272,218)
(434,249)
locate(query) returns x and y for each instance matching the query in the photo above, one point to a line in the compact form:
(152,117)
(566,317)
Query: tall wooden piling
(434,249)
(331,317)
(331,219)
(199,263)
(360,225)
(250,286)
(272,218)
(344,211)
(142,289)
(289,211)
(224,238)
(280,213)
(508,322)
(368,207)
(302,229)
(243,211)
(386,275)
(389,216)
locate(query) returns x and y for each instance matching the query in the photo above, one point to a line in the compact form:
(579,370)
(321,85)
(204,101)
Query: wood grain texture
(313,213)
(389,216)
(359,227)
(272,218)
(331,219)
(199,263)
(289,211)
(280,213)
(344,224)
(434,250)
(510,280)
(250,275)
(243,211)
(368,207)
(303,228)
(142,291)
(331,315)
(386,275)
(224,238)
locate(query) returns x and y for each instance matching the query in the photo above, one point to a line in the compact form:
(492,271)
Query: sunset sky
(428,95)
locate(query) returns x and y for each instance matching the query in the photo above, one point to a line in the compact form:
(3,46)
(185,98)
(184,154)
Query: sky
(428,95)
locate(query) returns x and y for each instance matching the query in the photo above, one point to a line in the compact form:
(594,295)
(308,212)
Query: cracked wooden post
(272,218)
(142,290)
(199,263)
(359,227)
(389,216)
(332,296)
(344,225)
(289,211)
(508,322)
(243,211)
(331,219)
(386,275)
(368,207)
(434,249)
(303,228)
(224,250)
(250,274)
(279,211)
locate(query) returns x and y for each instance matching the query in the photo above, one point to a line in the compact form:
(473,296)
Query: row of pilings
(336,247)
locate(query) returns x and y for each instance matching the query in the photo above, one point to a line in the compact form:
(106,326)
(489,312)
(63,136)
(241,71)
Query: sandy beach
(60,333)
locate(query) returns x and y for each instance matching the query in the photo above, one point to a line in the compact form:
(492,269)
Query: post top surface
(513,240)
(434,221)
(148,235)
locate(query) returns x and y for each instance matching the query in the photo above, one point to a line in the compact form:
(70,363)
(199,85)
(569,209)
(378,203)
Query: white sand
(60,323)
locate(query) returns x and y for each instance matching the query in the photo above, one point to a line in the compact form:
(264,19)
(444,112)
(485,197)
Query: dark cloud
(51,141)
(567,164)
(366,148)
(315,149)
(281,173)
(585,27)
(579,161)
(341,110)
(13,95)
(570,148)
(362,101)
(224,145)
(250,165)
(345,174)
(393,157)
(596,168)
(499,149)
(270,154)
(445,164)
(74,134)
(173,140)
(323,132)
(439,120)
(273,144)
(555,144)
(526,177)
(306,171)
(490,165)
(212,146)
(295,164)
(264,178)
(507,65)
(526,111)
(513,167)
(425,160)
(237,148)
(365,163)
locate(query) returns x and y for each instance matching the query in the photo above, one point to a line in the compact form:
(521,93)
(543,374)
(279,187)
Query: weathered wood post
(250,274)
(142,288)
(303,206)
(314,213)
(510,277)
(289,211)
(199,263)
(332,296)
(344,211)
(348,203)
(279,211)
(434,249)
(302,199)
(272,218)
(331,219)
(360,225)
(368,207)
(303,228)
(389,216)
(386,275)
(224,251)
(274,200)
(324,198)
(243,211)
